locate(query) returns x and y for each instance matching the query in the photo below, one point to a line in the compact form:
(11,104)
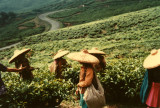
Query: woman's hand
(77,91)
(79,84)
(22,68)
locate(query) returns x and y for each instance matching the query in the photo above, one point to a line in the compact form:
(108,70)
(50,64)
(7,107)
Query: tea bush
(121,78)
(43,90)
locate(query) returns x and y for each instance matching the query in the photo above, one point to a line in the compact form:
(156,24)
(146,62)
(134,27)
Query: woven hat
(83,57)
(18,53)
(95,50)
(60,53)
(153,60)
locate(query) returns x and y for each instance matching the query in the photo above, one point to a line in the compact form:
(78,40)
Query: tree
(6,17)
(12,15)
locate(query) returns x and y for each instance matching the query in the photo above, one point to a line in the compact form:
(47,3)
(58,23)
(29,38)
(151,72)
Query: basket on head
(83,57)
(152,60)
(18,53)
(60,53)
(95,50)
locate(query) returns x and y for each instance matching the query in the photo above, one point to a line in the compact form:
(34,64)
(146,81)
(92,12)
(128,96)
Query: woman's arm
(6,69)
(14,69)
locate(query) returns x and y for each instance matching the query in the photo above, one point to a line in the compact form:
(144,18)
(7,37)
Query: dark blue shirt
(3,68)
(2,87)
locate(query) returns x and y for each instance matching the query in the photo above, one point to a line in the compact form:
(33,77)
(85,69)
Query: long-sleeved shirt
(86,78)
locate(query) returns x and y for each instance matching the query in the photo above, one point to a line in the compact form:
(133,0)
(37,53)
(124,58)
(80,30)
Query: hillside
(79,12)
(37,5)
(101,9)
(126,39)
(26,22)
(20,28)
(21,5)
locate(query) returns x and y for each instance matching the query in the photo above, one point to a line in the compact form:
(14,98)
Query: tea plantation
(126,39)
(100,9)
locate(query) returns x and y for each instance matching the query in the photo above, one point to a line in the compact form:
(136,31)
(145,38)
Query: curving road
(54,25)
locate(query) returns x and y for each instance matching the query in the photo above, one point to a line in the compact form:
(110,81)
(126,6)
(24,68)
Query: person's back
(154,75)
(26,74)
(61,65)
(58,67)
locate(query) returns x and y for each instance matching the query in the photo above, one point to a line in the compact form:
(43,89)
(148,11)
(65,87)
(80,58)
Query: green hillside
(21,5)
(126,39)
(100,9)
(18,29)
(26,22)
(80,12)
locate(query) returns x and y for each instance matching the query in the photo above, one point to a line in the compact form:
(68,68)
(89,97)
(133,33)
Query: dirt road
(54,25)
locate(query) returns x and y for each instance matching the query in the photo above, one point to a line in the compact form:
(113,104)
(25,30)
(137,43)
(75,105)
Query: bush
(122,80)
(43,90)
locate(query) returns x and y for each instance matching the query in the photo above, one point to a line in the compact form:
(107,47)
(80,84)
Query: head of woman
(20,57)
(86,65)
(19,60)
(99,56)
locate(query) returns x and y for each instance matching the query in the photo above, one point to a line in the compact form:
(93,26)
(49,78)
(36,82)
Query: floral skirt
(153,99)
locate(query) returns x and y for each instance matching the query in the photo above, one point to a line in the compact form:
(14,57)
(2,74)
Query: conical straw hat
(83,57)
(60,53)
(95,50)
(18,53)
(153,60)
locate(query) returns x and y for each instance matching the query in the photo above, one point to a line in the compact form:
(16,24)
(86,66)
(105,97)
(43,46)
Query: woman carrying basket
(87,77)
